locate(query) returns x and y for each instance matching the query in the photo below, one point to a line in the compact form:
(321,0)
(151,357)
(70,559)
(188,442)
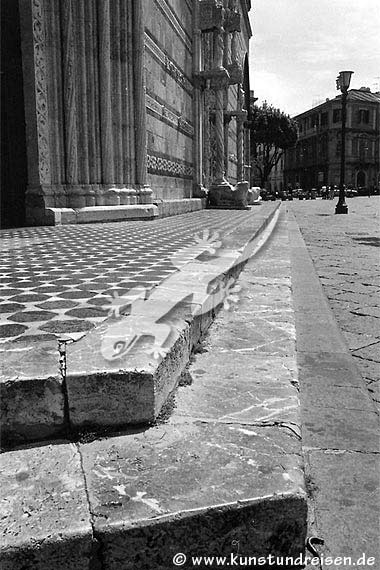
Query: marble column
(219,82)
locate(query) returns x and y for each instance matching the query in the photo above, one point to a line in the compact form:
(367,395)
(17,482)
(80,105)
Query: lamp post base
(341,208)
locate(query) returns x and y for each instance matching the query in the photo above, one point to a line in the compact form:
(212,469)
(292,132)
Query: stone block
(123,371)
(225,196)
(32,400)
(196,488)
(45,520)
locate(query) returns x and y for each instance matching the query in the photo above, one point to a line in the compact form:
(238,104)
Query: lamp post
(343,83)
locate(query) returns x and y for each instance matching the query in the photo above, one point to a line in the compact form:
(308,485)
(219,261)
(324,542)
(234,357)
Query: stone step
(219,474)
(118,373)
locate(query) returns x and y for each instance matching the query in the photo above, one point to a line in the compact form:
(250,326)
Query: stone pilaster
(198,190)
(92,82)
(104,27)
(144,192)
(34,55)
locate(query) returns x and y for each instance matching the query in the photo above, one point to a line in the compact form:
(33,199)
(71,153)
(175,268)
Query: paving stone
(347,503)
(45,522)
(67,326)
(29,298)
(28,316)
(371,352)
(87,312)
(11,307)
(84,294)
(12,330)
(64,304)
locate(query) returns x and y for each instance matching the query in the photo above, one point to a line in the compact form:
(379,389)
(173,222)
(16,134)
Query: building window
(338,148)
(314,120)
(337,115)
(324,119)
(363,116)
(355,147)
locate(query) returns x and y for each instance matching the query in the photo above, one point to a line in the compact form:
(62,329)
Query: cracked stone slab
(44,521)
(195,486)
(236,388)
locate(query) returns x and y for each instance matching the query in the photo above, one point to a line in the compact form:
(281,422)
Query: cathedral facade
(118,109)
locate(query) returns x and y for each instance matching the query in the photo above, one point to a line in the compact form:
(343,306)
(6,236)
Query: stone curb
(221,475)
(340,426)
(61,391)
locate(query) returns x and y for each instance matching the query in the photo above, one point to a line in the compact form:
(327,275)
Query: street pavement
(338,365)
(346,255)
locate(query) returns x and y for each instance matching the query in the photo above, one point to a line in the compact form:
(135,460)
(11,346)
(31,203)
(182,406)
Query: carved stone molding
(161,111)
(40,71)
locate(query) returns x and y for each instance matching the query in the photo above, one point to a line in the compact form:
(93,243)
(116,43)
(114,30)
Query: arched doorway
(360,179)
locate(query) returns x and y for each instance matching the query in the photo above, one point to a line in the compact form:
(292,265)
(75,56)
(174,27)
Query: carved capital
(232,21)
(211,13)
(236,73)
(219,78)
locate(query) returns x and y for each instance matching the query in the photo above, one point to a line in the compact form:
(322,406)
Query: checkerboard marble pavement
(58,282)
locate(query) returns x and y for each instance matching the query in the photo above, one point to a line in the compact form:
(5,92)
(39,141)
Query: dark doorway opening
(13,142)
(360,180)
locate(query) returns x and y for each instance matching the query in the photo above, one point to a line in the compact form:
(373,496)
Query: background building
(117,109)
(315,159)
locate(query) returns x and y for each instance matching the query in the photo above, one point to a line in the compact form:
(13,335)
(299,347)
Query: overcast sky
(299,46)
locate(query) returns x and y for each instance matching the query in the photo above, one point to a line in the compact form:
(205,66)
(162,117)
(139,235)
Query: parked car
(268,194)
(304,194)
(351,192)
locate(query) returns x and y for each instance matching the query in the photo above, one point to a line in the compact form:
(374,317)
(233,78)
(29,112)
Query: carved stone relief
(41,91)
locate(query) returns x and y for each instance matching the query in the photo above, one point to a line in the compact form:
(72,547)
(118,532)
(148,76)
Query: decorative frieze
(165,165)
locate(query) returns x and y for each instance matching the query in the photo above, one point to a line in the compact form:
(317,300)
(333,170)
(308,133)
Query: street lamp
(343,83)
